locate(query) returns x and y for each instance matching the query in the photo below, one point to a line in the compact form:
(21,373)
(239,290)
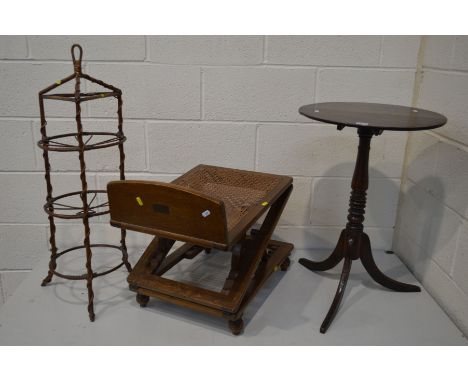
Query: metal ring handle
(73,52)
(77,62)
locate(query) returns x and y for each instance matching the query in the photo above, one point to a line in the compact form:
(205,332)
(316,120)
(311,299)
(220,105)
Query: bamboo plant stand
(87,207)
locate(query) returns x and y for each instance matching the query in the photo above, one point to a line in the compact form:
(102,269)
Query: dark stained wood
(284,266)
(142,300)
(373,115)
(236,326)
(371,267)
(235,199)
(331,261)
(354,243)
(338,295)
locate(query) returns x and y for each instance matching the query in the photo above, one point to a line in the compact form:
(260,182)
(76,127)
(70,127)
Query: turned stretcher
(207,207)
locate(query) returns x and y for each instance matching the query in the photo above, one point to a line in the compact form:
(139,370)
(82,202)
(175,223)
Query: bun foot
(284,266)
(142,300)
(236,326)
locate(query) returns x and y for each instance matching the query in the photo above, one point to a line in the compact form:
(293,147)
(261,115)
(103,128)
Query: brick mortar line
(312,191)
(34,144)
(202,94)
(381,42)
(108,119)
(341,226)
(9,270)
(91,173)
(447,140)
(316,87)
(139,173)
(457,245)
(3,296)
(454,282)
(452,51)
(37,151)
(45,224)
(256,150)
(147,158)
(445,71)
(28,48)
(106,224)
(146,39)
(414,184)
(74,172)
(211,66)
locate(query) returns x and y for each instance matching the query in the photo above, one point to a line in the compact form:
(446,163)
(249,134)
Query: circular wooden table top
(373,115)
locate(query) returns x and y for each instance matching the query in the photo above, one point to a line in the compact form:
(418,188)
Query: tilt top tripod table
(370,119)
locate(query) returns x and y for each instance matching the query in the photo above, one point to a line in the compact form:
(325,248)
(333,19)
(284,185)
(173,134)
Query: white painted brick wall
(400,51)
(150,91)
(320,150)
(15,134)
(174,147)
(256,94)
(226,100)
(206,50)
(451,87)
(98,48)
(367,85)
(324,50)
(13,47)
(438,52)
(431,231)
(19,83)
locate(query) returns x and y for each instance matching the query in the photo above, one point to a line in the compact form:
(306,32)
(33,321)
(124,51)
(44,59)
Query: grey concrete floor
(288,311)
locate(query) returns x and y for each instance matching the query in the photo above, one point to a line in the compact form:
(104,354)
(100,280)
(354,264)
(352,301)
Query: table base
(354,243)
(364,253)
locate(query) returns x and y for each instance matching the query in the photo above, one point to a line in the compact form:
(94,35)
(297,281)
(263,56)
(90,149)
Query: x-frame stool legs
(254,258)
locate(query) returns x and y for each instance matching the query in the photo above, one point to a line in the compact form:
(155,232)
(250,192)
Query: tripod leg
(338,296)
(329,262)
(376,273)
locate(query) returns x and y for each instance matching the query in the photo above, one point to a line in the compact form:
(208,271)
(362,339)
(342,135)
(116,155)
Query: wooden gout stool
(207,207)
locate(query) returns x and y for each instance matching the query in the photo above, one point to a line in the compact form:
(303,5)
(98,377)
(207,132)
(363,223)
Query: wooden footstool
(207,207)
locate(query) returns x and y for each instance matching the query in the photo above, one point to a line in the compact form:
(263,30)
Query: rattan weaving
(238,189)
